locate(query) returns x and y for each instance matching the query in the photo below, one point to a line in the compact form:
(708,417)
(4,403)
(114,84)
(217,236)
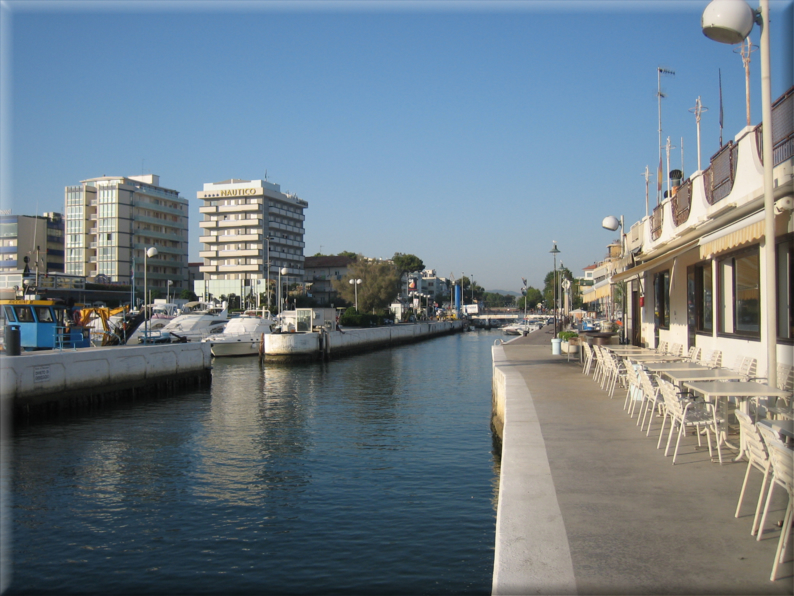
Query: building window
(700,298)
(661,286)
(740,293)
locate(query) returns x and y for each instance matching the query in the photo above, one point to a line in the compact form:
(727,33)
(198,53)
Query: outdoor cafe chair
(633,391)
(714,361)
(676,349)
(694,354)
(781,458)
(616,372)
(652,401)
(588,358)
(758,458)
(779,472)
(685,413)
(662,347)
(785,381)
(598,352)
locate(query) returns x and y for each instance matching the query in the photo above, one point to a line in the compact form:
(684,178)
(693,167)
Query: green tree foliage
(188,295)
(380,284)
(497,300)
(407,263)
(350,255)
(548,288)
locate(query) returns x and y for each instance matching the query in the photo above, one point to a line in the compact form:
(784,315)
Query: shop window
(740,293)
(785,287)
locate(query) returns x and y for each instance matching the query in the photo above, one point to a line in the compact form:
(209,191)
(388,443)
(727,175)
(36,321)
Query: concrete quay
(38,383)
(588,505)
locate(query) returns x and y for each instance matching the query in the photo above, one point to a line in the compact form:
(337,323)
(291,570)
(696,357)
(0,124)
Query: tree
(188,295)
(350,255)
(407,263)
(380,284)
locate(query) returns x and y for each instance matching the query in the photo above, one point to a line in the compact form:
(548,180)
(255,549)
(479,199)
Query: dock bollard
(12,340)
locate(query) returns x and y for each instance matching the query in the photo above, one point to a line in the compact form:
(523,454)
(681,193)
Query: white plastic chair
(694,354)
(785,381)
(685,413)
(782,460)
(651,401)
(757,457)
(633,388)
(715,360)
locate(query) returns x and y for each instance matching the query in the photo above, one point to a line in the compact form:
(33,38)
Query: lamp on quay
(554,251)
(355,283)
(150,252)
(612,223)
(730,21)
(282,271)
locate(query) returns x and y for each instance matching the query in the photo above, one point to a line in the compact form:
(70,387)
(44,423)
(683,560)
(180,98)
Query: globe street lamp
(610,222)
(554,251)
(355,283)
(150,252)
(730,21)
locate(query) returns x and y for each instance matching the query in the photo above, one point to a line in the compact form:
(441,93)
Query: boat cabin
(43,325)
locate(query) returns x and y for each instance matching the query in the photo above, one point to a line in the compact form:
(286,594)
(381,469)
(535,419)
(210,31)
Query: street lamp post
(150,252)
(168,290)
(355,283)
(554,251)
(610,222)
(282,271)
(267,264)
(730,21)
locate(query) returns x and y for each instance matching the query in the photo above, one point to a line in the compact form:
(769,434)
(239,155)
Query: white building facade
(111,221)
(250,232)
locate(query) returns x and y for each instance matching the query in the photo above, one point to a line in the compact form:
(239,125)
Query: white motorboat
(242,335)
(195,325)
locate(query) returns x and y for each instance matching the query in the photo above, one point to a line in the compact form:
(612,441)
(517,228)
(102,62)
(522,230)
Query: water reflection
(367,474)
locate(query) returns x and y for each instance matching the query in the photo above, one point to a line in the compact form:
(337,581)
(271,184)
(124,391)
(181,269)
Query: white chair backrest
(748,367)
(662,347)
(646,383)
(715,361)
(676,349)
(737,363)
(671,400)
(785,377)
(753,441)
(780,457)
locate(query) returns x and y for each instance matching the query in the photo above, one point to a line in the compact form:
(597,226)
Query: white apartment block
(111,221)
(244,220)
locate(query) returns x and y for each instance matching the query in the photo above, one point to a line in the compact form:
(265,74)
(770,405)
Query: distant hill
(504,292)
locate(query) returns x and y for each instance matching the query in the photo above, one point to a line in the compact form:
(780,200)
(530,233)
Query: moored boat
(242,335)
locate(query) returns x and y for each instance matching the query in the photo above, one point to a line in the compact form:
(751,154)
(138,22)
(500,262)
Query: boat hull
(249,347)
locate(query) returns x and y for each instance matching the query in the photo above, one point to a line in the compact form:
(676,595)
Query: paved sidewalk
(635,524)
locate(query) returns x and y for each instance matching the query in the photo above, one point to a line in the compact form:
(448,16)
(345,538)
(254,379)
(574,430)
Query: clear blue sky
(469,134)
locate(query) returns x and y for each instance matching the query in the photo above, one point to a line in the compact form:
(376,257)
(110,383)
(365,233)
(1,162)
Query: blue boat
(43,325)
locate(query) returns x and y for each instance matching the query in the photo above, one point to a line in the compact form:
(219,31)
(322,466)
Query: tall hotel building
(243,220)
(112,221)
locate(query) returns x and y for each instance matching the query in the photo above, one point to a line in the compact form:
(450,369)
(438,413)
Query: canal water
(373,474)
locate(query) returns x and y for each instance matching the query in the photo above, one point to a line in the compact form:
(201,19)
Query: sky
(470,134)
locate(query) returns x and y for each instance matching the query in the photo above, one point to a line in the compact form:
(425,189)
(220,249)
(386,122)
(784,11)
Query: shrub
(567,335)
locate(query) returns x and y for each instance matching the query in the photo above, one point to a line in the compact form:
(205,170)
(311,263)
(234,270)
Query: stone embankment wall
(50,381)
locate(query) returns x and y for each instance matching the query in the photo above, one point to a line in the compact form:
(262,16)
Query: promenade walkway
(588,505)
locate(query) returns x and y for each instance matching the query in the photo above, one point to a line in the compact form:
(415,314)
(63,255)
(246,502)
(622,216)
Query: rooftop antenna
(698,110)
(659,94)
(682,159)
(647,174)
(265,175)
(745,50)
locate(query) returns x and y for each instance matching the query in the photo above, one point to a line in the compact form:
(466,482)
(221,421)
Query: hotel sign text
(238,192)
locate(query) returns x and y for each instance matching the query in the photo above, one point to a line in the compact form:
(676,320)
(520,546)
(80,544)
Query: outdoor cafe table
(663,367)
(781,427)
(741,390)
(652,357)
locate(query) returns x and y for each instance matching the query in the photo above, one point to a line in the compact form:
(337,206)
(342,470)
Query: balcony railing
(681,203)
(657,220)
(782,130)
(721,173)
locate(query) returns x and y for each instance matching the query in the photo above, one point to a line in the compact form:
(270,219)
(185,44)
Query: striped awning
(745,231)
(598,291)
